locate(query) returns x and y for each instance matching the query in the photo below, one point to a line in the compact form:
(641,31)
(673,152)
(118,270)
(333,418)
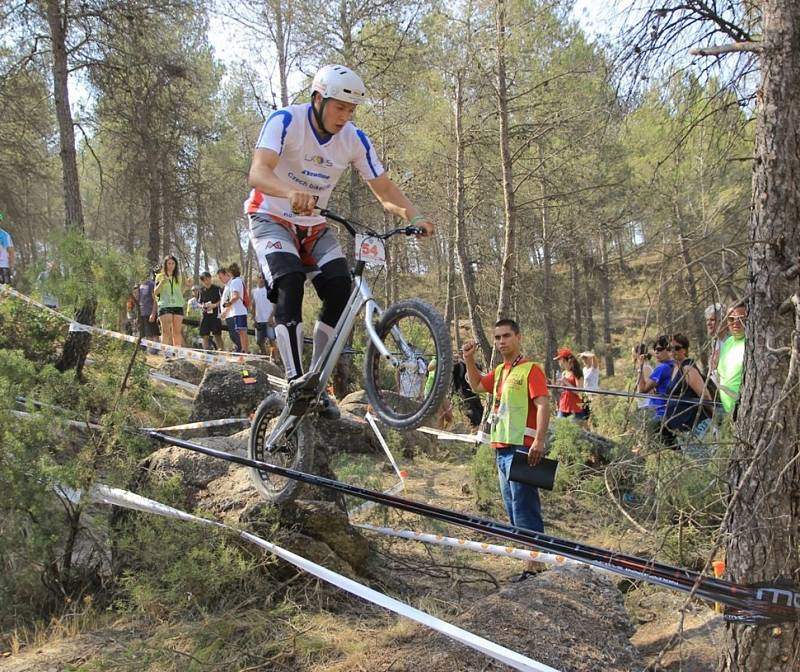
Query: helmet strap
(318,113)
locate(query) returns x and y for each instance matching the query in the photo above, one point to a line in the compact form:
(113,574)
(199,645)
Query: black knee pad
(288,292)
(334,293)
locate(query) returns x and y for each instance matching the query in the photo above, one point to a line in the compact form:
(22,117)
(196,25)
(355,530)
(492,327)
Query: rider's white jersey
(308,162)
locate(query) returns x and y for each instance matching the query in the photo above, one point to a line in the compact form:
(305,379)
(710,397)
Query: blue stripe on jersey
(320,139)
(287,119)
(365,141)
(5,238)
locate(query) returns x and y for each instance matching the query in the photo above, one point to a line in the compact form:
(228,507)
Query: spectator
(731,359)
(473,408)
(659,379)
(591,371)
(687,389)
(7,256)
(264,315)
(641,360)
(520,415)
(569,402)
(130,315)
(210,324)
(717,332)
(44,278)
(143,297)
(234,311)
(169,296)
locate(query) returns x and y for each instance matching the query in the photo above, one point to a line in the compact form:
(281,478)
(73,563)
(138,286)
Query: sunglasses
(736,318)
(675,347)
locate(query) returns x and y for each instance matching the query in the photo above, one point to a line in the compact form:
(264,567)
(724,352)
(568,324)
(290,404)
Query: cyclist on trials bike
(299,156)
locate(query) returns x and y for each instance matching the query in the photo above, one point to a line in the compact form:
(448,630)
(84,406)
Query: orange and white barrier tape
(173,351)
(467,544)
(117,497)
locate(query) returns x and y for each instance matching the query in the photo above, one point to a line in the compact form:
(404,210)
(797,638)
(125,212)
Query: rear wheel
(415,333)
(291,452)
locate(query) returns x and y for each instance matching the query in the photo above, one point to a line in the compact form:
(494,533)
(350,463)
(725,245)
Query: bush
(484,476)
(169,567)
(572,452)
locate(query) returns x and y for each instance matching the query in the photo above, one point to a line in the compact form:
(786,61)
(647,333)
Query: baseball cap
(563,353)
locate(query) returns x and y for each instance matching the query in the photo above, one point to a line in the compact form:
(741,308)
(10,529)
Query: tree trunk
(76,347)
(588,280)
(282,47)
(57,23)
(605,298)
(154,214)
(547,280)
(509,239)
(698,324)
(468,279)
(764,523)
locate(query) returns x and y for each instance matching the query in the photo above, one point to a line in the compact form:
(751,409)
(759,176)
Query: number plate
(370,249)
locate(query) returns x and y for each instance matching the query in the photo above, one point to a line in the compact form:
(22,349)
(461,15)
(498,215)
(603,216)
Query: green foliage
(484,477)
(573,453)
(169,567)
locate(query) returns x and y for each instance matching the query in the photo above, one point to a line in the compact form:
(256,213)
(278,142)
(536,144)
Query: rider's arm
(262,174)
(395,201)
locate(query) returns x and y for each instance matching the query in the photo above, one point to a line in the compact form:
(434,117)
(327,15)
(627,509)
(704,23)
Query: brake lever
(413,231)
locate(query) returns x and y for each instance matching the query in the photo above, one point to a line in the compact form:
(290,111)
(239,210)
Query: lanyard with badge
(498,408)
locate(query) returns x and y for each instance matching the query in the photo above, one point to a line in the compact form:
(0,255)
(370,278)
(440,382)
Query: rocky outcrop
(316,526)
(182,369)
(229,390)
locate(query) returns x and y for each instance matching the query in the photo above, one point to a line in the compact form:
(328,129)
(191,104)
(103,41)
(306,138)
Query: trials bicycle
(407,370)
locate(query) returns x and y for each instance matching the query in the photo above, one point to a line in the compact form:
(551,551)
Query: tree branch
(732,48)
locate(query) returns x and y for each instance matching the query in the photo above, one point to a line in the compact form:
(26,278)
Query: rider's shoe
(328,410)
(305,383)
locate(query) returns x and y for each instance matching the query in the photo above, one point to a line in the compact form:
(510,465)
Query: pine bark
(764,521)
(509,206)
(468,279)
(76,347)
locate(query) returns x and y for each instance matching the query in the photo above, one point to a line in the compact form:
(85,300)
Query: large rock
(226,391)
(571,618)
(182,369)
(316,527)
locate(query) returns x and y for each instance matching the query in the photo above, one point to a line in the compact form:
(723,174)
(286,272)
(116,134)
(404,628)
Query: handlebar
(351,225)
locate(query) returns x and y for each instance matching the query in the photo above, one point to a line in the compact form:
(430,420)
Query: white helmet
(337,81)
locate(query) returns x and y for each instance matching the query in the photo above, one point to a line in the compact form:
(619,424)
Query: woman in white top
(591,372)
(234,311)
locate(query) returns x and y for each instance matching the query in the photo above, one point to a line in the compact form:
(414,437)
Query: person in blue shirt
(658,381)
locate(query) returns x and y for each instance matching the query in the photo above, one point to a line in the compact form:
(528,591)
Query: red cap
(563,353)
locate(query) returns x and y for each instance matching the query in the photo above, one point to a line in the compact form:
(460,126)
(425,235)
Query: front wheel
(292,452)
(417,336)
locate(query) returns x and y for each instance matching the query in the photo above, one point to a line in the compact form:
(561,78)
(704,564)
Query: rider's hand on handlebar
(423,224)
(302,202)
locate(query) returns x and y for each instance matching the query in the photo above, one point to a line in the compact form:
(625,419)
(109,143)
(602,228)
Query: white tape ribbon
(129,500)
(168,380)
(479,547)
(200,425)
(167,350)
(480,437)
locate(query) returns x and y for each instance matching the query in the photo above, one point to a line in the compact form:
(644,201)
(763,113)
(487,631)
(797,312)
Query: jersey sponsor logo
(311,173)
(319,160)
(274,245)
(308,185)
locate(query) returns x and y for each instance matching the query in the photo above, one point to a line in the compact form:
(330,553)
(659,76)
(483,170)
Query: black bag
(684,409)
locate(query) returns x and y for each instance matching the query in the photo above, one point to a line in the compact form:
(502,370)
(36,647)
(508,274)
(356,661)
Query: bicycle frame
(360,297)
